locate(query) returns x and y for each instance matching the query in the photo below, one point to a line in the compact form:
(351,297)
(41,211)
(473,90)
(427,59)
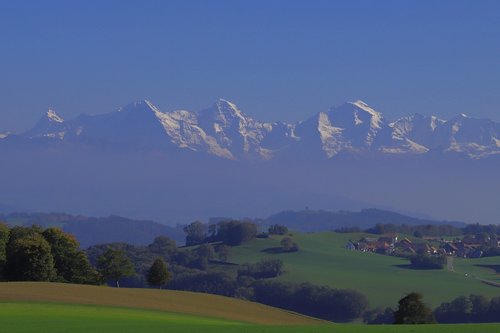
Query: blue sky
(275,59)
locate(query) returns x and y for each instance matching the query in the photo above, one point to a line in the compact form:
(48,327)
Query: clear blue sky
(275,59)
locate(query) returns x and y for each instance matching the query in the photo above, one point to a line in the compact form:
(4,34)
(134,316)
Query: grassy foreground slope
(30,307)
(59,318)
(323,260)
(180,302)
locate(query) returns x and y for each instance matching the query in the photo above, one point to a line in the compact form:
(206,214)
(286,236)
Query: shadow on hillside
(413,268)
(496,268)
(274,250)
(220,262)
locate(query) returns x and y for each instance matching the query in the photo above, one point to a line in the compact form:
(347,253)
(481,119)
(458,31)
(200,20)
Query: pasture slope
(196,304)
(60,308)
(323,260)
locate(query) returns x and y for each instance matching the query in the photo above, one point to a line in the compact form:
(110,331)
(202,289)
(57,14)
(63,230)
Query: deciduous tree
(195,233)
(413,311)
(29,258)
(158,274)
(71,263)
(114,265)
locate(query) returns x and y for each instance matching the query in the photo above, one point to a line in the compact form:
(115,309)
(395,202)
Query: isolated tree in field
(413,311)
(114,264)
(158,274)
(288,245)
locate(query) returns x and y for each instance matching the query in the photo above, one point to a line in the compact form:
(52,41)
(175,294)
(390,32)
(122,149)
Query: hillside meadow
(189,303)
(30,307)
(322,259)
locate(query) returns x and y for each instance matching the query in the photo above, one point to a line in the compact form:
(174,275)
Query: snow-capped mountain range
(223,130)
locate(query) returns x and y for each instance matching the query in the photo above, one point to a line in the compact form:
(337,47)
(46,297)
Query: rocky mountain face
(224,131)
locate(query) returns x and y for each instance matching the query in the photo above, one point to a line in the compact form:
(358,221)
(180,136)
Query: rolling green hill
(61,308)
(323,260)
(189,303)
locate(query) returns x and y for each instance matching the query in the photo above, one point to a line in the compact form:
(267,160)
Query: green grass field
(323,260)
(62,318)
(187,303)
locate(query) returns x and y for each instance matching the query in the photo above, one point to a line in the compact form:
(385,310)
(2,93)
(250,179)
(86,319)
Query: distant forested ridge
(321,220)
(97,230)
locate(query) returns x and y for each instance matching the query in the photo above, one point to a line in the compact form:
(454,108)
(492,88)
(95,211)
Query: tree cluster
(469,309)
(263,269)
(422,261)
(37,254)
(205,282)
(131,265)
(318,301)
(278,229)
(231,233)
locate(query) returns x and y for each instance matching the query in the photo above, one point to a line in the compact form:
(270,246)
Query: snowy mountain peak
(226,108)
(53,116)
(151,105)
(360,104)
(141,106)
(377,117)
(221,102)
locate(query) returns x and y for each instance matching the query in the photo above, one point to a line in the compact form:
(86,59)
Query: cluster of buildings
(390,244)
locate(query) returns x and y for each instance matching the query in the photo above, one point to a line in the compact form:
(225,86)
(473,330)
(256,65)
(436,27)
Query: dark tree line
(231,233)
(264,269)
(318,301)
(421,261)
(205,282)
(427,230)
(411,311)
(469,309)
(463,309)
(278,229)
